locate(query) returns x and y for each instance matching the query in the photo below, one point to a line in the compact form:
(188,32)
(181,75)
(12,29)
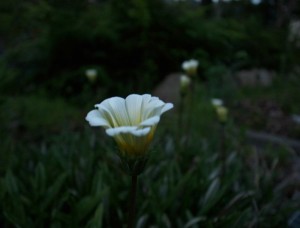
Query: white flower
(216,102)
(192,63)
(131,121)
(190,66)
(91,74)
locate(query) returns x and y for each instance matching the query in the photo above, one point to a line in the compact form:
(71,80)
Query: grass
(73,178)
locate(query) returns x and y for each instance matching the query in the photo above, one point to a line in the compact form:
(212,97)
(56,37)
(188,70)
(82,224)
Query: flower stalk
(180,127)
(132,201)
(223,150)
(222,115)
(190,68)
(185,85)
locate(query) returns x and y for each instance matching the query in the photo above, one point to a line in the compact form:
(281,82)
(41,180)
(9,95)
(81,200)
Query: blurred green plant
(48,42)
(72,178)
(56,173)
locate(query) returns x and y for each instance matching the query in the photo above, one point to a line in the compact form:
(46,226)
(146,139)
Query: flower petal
(128,130)
(95,118)
(141,132)
(116,106)
(133,106)
(167,107)
(118,130)
(107,114)
(150,122)
(146,97)
(153,108)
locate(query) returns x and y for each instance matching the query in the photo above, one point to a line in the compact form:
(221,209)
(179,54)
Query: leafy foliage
(134,43)
(74,179)
(55,172)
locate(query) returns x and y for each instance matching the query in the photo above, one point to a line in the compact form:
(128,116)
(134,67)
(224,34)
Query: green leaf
(54,190)
(166,221)
(211,195)
(142,221)
(2,189)
(11,183)
(12,219)
(40,178)
(97,220)
(97,186)
(236,200)
(212,190)
(85,206)
(194,221)
(175,191)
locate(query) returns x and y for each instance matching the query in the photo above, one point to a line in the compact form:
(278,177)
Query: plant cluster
(75,179)
(58,59)
(48,45)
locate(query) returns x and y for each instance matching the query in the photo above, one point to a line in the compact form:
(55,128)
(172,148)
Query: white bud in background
(190,66)
(91,74)
(216,102)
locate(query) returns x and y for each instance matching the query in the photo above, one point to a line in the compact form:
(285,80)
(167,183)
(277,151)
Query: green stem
(223,151)
(180,118)
(131,217)
(190,112)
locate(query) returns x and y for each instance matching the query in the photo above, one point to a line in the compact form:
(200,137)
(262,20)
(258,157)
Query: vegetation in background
(57,172)
(136,43)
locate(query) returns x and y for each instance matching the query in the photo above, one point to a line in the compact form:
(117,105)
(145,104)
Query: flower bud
(190,67)
(222,113)
(185,82)
(91,74)
(216,102)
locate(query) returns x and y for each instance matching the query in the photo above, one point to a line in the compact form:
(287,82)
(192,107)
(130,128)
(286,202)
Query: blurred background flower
(185,83)
(216,102)
(190,67)
(222,113)
(91,75)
